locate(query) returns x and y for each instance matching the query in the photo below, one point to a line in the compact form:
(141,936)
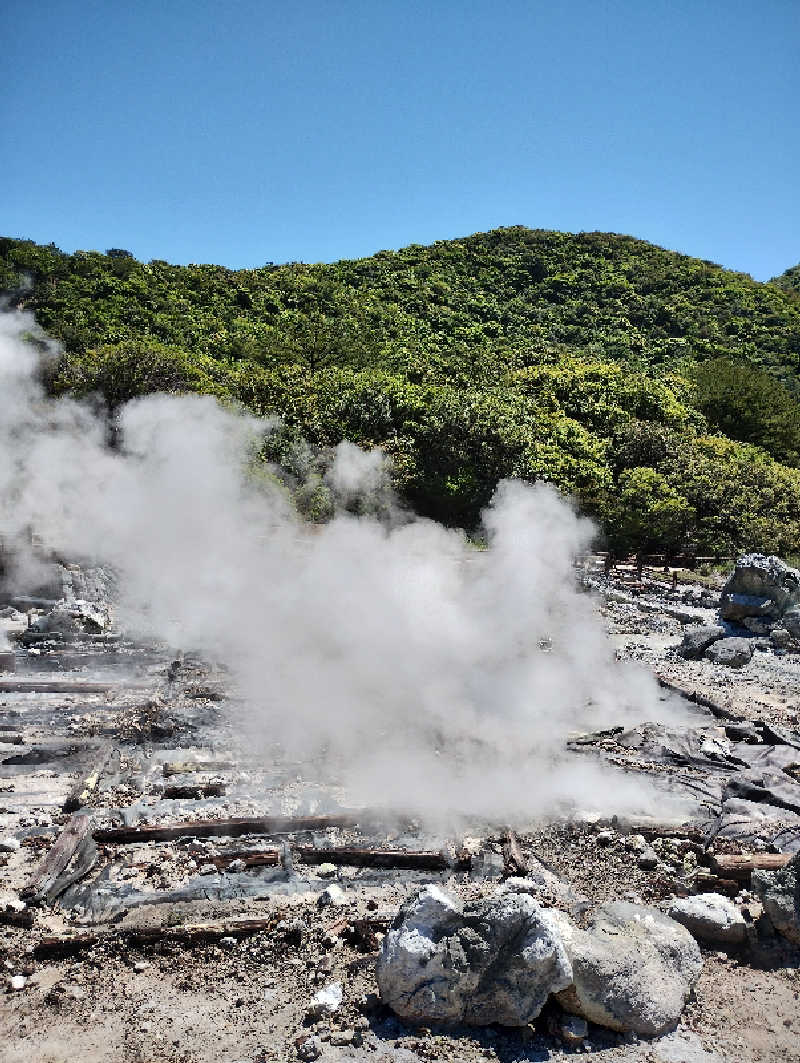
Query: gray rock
(760,586)
(492,961)
(759,625)
(791,622)
(633,969)
(710,917)
(735,653)
(781,637)
(309,1049)
(648,859)
(780,894)
(698,638)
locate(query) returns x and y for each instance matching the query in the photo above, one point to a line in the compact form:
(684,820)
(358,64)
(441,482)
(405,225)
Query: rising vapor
(427,675)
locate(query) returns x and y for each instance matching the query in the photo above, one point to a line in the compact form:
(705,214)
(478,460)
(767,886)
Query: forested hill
(789,279)
(657,388)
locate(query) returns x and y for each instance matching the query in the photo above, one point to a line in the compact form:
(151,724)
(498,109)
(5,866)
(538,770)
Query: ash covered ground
(258,938)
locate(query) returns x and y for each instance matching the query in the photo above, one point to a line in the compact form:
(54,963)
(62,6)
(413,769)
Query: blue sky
(242,132)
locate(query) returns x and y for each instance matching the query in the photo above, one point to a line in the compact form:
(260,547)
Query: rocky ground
(188,949)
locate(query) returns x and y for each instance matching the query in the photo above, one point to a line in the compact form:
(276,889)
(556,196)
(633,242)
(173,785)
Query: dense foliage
(596,361)
(789,279)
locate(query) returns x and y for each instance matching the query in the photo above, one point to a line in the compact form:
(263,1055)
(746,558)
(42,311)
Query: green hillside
(600,362)
(789,280)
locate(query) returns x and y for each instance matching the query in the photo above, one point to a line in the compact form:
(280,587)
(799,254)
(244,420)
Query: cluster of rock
(761,599)
(499,960)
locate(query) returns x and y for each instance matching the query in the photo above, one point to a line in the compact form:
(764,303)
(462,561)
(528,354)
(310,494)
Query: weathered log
(56,860)
(46,685)
(194,791)
(82,791)
(187,767)
(740,867)
(190,933)
(397,859)
(230,828)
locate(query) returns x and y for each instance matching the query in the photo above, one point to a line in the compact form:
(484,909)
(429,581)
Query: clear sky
(246,131)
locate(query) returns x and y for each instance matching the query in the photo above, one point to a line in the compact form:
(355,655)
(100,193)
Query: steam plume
(427,674)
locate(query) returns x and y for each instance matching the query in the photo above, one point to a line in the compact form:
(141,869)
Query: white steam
(428,675)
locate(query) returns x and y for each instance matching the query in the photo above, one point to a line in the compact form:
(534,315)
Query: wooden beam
(194,791)
(188,767)
(55,862)
(399,859)
(740,867)
(225,828)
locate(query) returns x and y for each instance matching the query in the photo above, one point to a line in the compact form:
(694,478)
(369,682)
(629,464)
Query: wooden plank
(83,790)
(188,767)
(46,685)
(740,867)
(58,857)
(398,859)
(194,791)
(190,933)
(225,828)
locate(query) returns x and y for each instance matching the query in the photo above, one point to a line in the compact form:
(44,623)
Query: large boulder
(697,639)
(735,653)
(780,894)
(491,961)
(710,917)
(760,586)
(633,969)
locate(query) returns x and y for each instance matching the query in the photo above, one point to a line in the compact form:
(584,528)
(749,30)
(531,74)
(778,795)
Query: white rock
(494,960)
(633,969)
(332,895)
(17,982)
(710,917)
(328,1000)
(9,845)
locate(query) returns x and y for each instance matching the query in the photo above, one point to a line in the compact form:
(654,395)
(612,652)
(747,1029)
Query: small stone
(236,865)
(648,859)
(309,1049)
(141,966)
(573,1030)
(327,1001)
(605,837)
(207,869)
(636,843)
(326,870)
(343,1038)
(331,895)
(9,845)
(227,942)
(17,982)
